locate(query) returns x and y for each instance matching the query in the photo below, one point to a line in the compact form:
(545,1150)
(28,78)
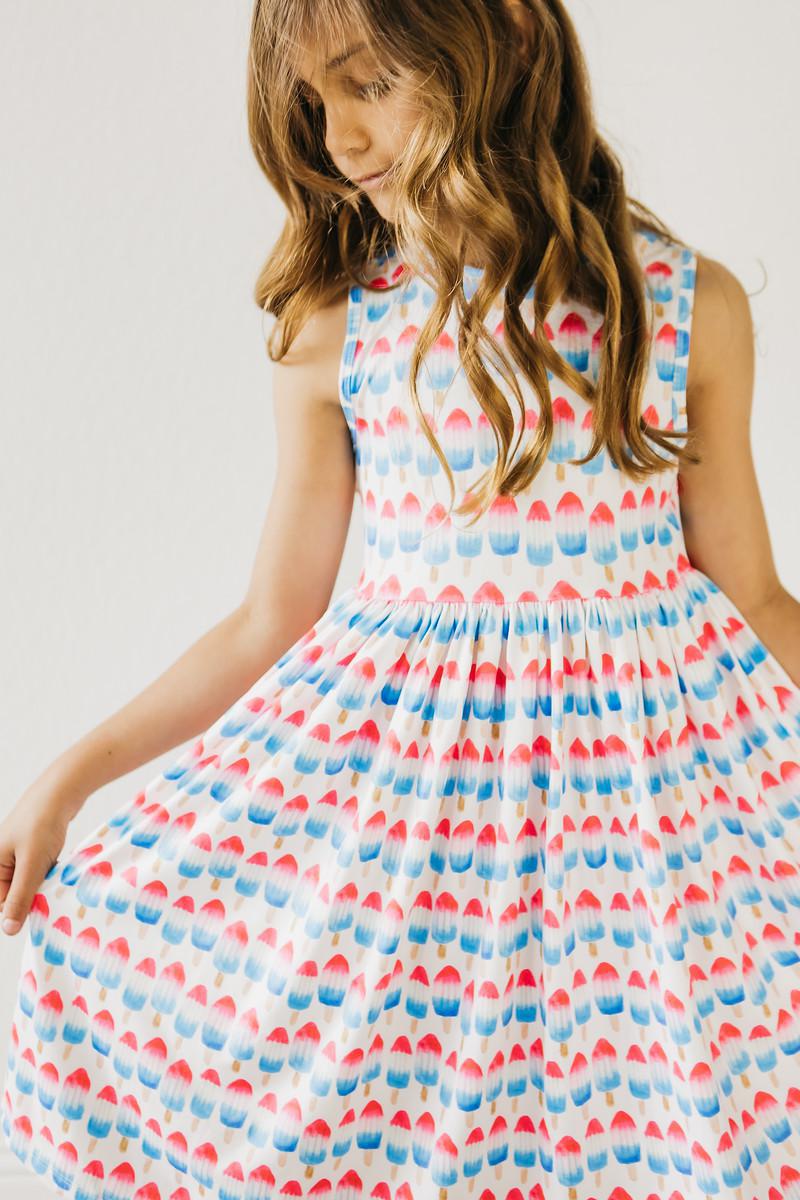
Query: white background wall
(137,440)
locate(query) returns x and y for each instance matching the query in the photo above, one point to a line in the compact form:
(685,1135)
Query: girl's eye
(366,91)
(378,87)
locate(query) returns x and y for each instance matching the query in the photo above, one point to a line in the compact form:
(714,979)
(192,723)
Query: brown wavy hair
(508,148)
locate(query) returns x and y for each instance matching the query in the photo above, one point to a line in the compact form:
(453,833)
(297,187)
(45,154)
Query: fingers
(19,896)
(6,875)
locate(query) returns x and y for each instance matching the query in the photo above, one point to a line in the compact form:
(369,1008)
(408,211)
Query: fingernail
(10,925)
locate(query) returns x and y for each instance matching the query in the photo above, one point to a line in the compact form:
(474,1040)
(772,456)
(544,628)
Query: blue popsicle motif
(488,887)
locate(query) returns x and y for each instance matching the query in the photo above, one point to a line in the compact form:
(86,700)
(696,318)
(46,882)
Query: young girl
(480,879)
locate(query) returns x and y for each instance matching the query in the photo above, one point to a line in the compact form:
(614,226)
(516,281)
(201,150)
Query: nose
(346,139)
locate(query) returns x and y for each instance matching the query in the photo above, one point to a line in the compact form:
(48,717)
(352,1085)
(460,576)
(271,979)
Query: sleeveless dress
(488,887)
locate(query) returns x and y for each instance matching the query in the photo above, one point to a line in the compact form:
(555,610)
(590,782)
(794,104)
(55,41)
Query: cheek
(399,120)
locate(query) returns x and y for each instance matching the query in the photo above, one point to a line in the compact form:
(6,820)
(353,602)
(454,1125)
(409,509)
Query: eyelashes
(373,90)
(376,89)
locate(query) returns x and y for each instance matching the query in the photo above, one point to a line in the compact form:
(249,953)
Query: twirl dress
(488,888)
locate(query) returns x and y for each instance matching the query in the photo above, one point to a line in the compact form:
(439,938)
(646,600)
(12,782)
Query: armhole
(348,364)
(687,265)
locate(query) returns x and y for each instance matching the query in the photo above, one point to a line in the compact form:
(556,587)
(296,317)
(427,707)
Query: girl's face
(368,115)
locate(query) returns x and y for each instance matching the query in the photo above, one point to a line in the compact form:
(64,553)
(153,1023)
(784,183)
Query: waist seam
(363,593)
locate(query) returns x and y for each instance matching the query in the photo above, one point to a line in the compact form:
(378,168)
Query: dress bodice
(576,530)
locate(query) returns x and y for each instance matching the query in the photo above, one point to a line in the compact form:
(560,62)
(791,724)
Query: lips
(372,175)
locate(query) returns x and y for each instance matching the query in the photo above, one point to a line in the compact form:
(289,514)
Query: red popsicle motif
(487,888)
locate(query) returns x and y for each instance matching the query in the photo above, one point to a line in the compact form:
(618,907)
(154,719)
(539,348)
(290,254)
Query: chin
(382,200)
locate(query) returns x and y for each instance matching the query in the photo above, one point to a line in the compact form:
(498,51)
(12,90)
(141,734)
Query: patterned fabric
(488,887)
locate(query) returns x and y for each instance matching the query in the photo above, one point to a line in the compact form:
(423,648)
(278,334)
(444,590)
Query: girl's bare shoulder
(722,327)
(311,364)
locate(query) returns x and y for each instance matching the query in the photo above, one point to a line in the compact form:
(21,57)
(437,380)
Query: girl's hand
(31,838)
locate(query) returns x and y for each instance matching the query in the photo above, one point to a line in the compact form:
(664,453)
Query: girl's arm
(291,583)
(295,569)
(723,518)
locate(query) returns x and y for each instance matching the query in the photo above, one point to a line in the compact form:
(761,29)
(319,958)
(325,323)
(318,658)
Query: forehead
(316,59)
